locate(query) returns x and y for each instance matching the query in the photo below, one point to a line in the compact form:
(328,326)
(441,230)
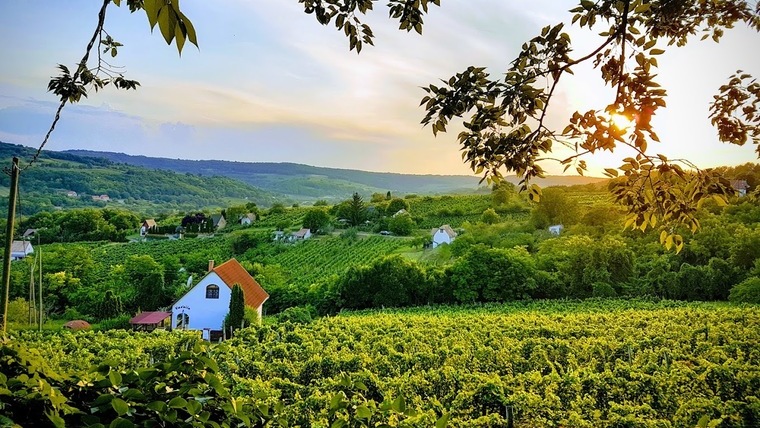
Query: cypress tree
(237,308)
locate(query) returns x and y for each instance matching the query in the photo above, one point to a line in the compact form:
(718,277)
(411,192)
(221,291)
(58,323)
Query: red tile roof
(233,273)
(150,317)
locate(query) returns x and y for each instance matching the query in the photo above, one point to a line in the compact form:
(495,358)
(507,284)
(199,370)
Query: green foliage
(18,311)
(555,207)
(493,275)
(587,364)
(111,306)
(489,216)
(312,260)
(243,242)
(401,224)
(316,219)
(235,318)
(120,322)
(581,261)
(396,205)
(390,282)
(748,291)
(145,277)
(295,314)
(355,211)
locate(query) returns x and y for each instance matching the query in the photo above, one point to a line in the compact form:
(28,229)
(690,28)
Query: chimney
(210,265)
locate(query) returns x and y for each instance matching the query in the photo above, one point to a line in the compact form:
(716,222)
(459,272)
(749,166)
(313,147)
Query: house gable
(203,310)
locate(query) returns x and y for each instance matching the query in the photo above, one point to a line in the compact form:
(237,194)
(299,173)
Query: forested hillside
(45,186)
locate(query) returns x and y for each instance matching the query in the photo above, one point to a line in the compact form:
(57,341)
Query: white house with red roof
(205,305)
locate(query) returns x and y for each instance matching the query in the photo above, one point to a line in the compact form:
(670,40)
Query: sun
(621,121)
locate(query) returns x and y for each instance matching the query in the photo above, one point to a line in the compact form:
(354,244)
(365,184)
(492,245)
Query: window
(212,292)
(183,320)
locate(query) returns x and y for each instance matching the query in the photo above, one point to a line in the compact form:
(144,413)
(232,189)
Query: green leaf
(115,378)
(443,421)
(399,405)
(157,406)
(177,402)
(167,20)
(121,423)
(120,406)
(363,412)
(193,407)
(152,7)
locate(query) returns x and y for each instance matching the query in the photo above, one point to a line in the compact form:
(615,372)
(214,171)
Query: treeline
(76,225)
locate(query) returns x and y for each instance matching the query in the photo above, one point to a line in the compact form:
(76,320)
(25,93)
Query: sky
(269,84)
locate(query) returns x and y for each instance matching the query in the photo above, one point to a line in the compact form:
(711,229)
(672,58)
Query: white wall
(203,312)
(441,237)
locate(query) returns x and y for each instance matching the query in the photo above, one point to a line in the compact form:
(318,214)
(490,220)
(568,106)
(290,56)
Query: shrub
(747,291)
(603,289)
(120,322)
(18,311)
(295,314)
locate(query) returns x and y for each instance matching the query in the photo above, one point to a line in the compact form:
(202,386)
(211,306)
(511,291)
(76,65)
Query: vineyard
(309,261)
(213,248)
(581,364)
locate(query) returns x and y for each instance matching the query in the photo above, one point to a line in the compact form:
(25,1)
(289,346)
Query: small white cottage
(21,249)
(443,235)
(206,304)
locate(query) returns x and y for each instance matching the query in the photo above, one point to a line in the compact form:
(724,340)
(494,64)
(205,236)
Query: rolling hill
(47,184)
(304,182)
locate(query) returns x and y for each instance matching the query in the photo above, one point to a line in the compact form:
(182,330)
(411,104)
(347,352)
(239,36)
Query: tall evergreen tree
(236,315)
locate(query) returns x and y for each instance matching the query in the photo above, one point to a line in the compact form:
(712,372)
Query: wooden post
(9,227)
(39,251)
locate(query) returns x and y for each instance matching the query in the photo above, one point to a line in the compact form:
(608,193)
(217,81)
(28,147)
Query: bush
(251,317)
(603,289)
(295,314)
(18,311)
(120,322)
(747,291)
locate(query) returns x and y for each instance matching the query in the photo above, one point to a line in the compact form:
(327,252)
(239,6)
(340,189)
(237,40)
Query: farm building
(205,305)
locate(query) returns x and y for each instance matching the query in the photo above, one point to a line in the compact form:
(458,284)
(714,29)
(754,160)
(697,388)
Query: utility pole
(9,227)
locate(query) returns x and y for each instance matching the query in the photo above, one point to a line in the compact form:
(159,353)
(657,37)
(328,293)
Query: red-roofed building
(149,321)
(205,305)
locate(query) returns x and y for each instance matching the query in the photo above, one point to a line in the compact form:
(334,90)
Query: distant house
(741,187)
(400,212)
(443,235)
(104,198)
(71,194)
(21,249)
(147,225)
(28,233)
(279,235)
(205,305)
(149,321)
(219,221)
(248,219)
(302,234)
(556,229)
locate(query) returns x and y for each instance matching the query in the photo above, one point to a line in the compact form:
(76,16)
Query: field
(309,261)
(546,363)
